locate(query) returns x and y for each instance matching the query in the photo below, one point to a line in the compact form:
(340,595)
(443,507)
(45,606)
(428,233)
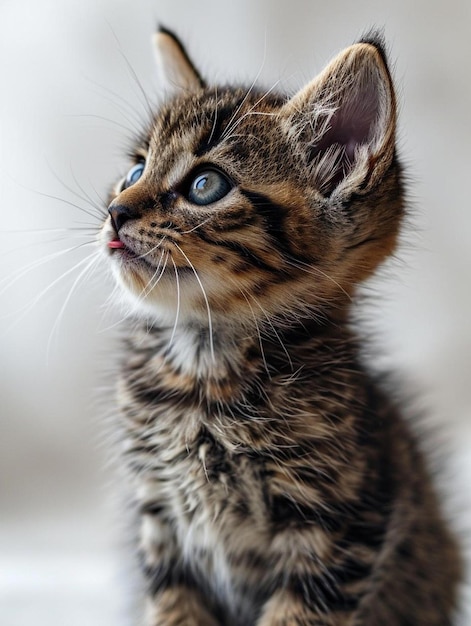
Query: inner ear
(353,123)
(176,68)
(346,119)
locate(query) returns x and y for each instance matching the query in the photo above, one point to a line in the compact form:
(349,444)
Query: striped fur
(275,483)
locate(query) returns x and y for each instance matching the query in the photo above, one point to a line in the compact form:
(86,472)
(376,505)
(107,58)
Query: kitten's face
(216,208)
(250,205)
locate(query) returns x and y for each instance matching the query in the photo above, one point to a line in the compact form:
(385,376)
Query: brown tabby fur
(276,484)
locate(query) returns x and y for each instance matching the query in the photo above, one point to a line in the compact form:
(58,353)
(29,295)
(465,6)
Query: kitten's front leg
(286,608)
(314,581)
(173,596)
(178,606)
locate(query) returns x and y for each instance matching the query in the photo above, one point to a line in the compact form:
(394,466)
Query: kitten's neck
(220,363)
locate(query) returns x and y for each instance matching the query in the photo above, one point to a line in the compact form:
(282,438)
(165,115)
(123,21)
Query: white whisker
(312,269)
(122,106)
(210,322)
(46,231)
(94,260)
(144,254)
(215,119)
(99,206)
(9,281)
(249,91)
(178,304)
(132,71)
(275,332)
(257,327)
(100,214)
(186,232)
(38,297)
(129,132)
(155,278)
(229,130)
(36,244)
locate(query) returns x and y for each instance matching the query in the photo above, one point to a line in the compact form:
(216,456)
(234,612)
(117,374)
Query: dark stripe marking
(244,252)
(166,575)
(322,593)
(213,136)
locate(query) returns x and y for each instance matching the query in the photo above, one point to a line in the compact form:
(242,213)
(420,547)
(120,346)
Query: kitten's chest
(213,499)
(178,444)
(203,483)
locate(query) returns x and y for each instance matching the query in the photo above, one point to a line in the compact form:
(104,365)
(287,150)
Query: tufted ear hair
(344,120)
(176,68)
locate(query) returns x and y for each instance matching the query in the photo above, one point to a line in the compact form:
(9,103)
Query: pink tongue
(116,243)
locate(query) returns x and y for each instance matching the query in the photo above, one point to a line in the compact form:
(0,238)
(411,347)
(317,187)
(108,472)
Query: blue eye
(209,186)
(133,175)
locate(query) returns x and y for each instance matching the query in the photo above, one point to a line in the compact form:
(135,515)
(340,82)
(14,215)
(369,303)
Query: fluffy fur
(275,483)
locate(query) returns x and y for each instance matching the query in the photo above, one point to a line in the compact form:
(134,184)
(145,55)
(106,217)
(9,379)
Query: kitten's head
(251,205)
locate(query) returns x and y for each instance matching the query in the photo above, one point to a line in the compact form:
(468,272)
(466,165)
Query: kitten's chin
(164,303)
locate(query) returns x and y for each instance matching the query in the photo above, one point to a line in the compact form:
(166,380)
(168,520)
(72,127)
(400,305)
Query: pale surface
(59,64)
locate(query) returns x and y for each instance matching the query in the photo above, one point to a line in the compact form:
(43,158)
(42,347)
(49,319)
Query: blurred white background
(69,101)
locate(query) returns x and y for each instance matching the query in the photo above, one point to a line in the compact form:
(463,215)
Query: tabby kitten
(275,483)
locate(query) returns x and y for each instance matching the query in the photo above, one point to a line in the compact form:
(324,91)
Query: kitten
(276,485)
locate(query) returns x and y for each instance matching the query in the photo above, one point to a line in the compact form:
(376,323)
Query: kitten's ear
(174,63)
(344,120)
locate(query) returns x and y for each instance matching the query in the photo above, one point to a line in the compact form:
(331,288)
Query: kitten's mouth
(133,259)
(118,244)
(125,252)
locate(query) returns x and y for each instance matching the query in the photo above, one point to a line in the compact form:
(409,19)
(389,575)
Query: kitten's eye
(209,186)
(133,175)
